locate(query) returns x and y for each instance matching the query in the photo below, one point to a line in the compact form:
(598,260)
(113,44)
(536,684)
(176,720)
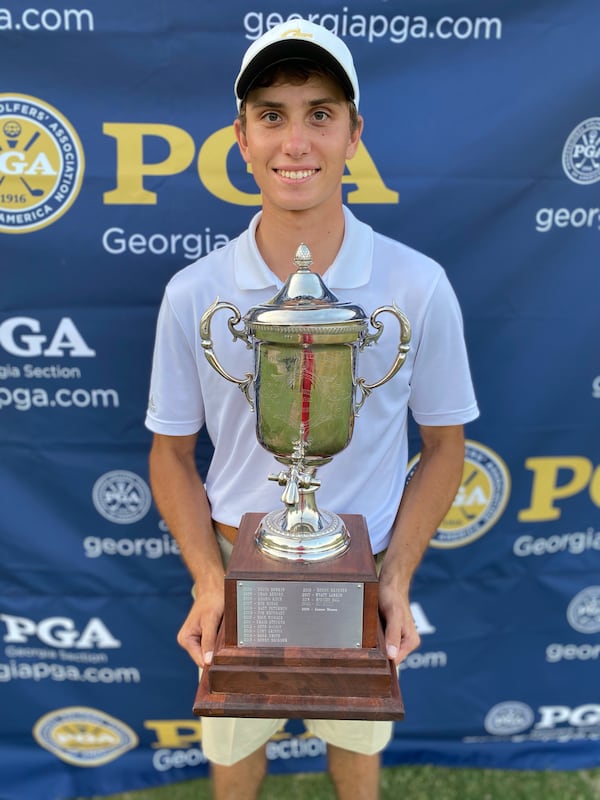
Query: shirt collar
(351,268)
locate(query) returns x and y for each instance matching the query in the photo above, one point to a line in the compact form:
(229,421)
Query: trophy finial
(303,258)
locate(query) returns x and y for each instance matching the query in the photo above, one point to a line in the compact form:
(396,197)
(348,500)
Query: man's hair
(296,72)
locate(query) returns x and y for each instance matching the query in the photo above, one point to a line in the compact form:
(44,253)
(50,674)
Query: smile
(296,175)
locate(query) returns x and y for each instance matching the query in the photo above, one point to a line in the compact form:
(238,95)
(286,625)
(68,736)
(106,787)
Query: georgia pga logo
(41,164)
(508,718)
(122,497)
(583,612)
(84,737)
(480,500)
(581,153)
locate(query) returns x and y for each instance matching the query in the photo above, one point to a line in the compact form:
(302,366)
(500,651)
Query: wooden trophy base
(264,664)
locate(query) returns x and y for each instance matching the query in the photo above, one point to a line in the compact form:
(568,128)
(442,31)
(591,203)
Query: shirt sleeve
(441,387)
(175,405)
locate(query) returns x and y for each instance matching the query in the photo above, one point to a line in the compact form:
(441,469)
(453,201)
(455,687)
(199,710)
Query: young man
(298,124)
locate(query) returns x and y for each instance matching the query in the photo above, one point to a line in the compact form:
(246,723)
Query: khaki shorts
(227,740)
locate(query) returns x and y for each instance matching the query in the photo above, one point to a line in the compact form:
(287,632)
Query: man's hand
(181,499)
(401,636)
(199,631)
(426,499)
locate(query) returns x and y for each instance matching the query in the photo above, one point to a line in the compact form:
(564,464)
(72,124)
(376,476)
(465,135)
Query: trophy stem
(300,532)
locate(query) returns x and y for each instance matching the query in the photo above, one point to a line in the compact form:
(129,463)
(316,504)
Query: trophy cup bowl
(306,395)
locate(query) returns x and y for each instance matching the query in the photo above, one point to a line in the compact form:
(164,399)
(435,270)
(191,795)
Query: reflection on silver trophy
(306,395)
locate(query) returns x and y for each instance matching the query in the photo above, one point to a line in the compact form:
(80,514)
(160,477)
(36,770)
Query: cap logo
(295,33)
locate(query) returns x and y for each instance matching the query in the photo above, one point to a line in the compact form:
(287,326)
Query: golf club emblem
(41,164)
(481,498)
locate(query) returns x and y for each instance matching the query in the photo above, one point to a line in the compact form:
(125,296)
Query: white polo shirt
(366,478)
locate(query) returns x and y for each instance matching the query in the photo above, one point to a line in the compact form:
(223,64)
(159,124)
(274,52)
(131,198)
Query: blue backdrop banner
(118,166)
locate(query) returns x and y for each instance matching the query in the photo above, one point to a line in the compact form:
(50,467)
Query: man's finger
(209,636)
(191,644)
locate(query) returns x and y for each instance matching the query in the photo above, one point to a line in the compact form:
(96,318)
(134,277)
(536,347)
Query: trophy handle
(370,338)
(207,345)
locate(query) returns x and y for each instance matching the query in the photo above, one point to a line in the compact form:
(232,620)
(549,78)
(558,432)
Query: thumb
(393,639)
(209,637)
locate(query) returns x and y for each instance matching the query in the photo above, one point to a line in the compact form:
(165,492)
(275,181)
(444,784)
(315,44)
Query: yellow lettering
(175,733)
(131,167)
(546,489)
(212,169)
(595,487)
(370,187)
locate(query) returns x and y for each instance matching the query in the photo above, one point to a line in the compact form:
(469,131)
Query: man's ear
(354,140)
(241,139)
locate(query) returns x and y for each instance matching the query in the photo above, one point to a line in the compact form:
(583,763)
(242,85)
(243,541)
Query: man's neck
(279,234)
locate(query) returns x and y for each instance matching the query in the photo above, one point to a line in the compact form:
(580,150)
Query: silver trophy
(306,395)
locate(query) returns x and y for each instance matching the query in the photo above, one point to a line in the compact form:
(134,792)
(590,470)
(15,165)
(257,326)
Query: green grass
(409,783)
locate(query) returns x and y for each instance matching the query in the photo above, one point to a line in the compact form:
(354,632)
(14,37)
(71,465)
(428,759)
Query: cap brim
(279,52)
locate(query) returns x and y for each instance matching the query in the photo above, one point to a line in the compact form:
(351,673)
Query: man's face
(297,139)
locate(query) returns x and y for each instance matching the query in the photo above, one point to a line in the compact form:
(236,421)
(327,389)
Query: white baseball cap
(297,39)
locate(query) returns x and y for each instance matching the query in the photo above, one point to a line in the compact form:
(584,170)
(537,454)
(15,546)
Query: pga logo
(581,153)
(583,612)
(513,717)
(122,497)
(23,336)
(58,632)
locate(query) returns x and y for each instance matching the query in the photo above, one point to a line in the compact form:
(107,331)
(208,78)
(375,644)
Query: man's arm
(181,499)
(425,502)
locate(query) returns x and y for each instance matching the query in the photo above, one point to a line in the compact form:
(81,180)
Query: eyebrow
(318,101)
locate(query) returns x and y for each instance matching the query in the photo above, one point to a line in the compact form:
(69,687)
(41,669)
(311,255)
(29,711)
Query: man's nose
(296,142)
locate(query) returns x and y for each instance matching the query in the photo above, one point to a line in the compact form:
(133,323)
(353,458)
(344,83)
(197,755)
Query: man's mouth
(296,174)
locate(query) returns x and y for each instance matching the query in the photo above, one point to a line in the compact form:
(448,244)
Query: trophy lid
(304,306)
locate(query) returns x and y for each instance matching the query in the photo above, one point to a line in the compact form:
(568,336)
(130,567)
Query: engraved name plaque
(300,613)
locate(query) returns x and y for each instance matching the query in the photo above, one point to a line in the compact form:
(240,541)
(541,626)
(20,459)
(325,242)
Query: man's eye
(271,116)
(321,116)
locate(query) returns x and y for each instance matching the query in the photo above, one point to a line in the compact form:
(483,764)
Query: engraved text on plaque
(299,613)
